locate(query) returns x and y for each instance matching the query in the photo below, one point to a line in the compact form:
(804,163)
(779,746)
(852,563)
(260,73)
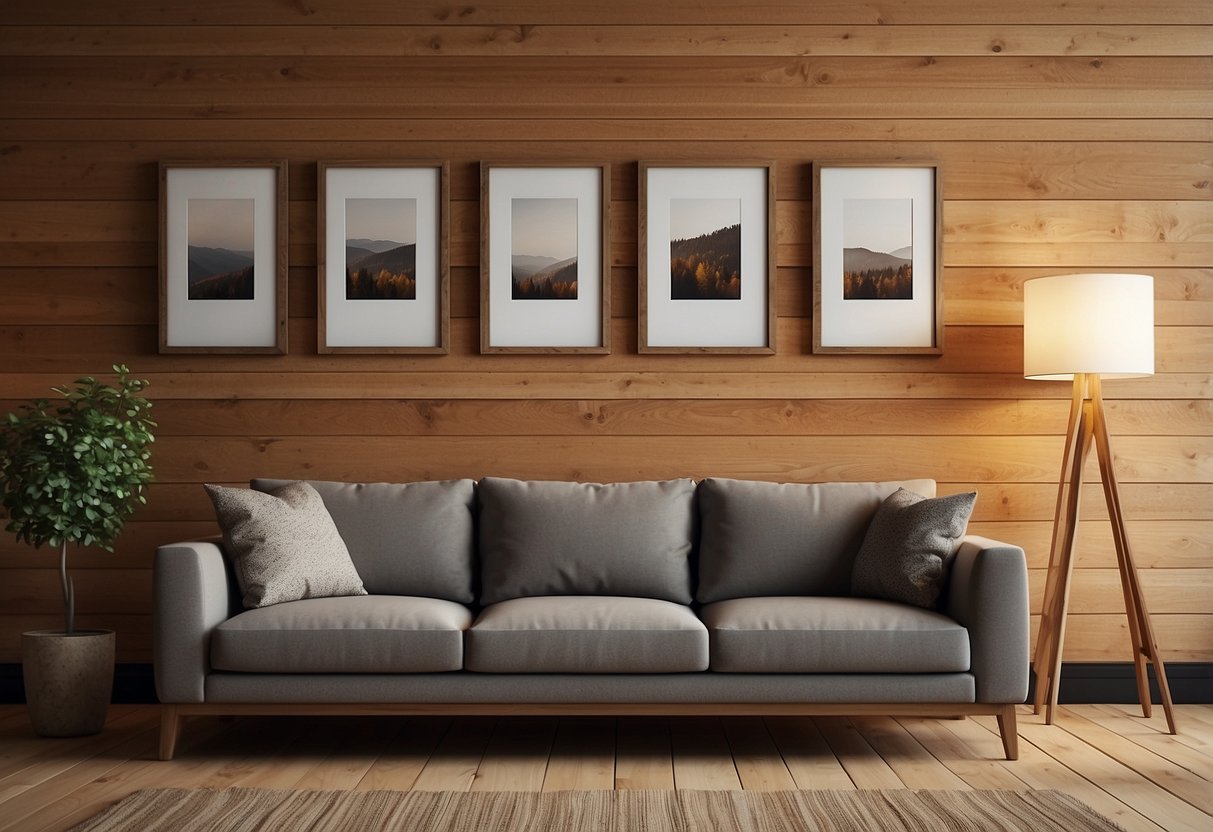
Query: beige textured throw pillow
(283,544)
(909,546)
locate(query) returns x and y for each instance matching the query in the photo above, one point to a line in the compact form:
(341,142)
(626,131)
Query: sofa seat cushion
(587,634)
(360,634)
(832,635)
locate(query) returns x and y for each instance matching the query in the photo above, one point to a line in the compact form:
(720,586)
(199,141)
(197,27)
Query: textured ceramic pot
(68,680)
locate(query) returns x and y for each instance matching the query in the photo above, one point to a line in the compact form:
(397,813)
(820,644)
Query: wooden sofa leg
(1009,731)
(170,724)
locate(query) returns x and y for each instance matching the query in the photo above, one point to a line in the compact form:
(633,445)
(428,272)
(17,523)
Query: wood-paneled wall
(1072,136)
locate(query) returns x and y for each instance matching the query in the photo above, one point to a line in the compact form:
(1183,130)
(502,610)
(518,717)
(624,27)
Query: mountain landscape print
(220,249)
(705,249)
(878,251)
(543,249)
(381,249)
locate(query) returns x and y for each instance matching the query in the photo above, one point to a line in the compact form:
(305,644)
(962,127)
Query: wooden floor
(1105,755)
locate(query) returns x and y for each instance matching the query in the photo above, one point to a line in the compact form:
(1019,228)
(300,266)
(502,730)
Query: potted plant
(72,471)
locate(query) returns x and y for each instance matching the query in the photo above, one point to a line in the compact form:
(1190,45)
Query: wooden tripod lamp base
(1085,326)
(1088,426)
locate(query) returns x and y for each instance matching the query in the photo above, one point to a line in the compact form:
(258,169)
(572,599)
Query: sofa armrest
(988,594)
(192,597)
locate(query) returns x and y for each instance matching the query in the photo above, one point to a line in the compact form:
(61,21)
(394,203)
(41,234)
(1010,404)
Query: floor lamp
(1086,327)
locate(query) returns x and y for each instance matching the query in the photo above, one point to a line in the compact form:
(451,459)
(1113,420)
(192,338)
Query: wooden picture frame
(707,257)
(556,298)
(223,257)
(877,258)
(388,289)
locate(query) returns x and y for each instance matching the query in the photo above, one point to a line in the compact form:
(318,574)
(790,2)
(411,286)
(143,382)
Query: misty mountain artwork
(705,249)
(543,248)
(220,235)
(381,249)
(878,249)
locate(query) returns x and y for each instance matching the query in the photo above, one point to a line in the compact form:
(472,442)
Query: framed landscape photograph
(383,264)
(877,258)
(223,263)
(545,271)
(707,257)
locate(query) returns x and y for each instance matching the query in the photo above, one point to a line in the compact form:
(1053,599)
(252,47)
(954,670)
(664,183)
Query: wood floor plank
(1197,723)
(405,757)
(1157,723)
(517,756)
(355,753)
(1178,781)
(910,761)
(644,758)
(583,755)
(1114,777)
(30,800)
(140,772)
(22,748)
(702,759)
(1041,771)
(755,755)
(453,765)
(317,740)
(977,764)
(1154,738)
(807,755)
(863,764)
(51,759)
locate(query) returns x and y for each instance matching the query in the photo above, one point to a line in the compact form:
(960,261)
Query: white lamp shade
(1088,323)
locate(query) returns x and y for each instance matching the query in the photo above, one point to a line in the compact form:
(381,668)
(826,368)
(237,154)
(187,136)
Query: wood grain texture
(604,12)
(1070,137)
(626,40)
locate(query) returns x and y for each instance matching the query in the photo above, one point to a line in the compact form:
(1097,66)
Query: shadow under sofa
(723,597)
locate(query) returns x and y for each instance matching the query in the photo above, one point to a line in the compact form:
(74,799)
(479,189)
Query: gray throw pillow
(909,547)
(283,545)
(569,538)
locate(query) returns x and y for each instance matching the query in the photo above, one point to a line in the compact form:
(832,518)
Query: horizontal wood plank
(821,458)
(998,169)
(522,87)
(488,384)
(606,12)
(670,131)
(96,349)
(1098,591)
(618,40)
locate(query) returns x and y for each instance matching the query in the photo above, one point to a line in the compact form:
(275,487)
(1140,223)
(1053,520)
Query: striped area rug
(233,810)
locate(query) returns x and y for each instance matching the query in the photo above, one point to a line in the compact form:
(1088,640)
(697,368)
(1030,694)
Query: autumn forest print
(705,249)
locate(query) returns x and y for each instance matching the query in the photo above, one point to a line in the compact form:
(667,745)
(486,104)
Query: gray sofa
(510,597)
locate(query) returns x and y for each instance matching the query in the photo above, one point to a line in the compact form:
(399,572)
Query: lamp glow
(1088,323)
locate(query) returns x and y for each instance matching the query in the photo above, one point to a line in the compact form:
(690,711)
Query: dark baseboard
(1115,683)
(133,684)
(1112,682)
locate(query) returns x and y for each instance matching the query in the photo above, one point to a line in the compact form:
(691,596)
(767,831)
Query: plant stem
(69,591)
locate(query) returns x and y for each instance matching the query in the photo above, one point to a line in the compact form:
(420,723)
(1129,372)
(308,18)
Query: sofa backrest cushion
(763,538)
(566,538)
(405,538)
